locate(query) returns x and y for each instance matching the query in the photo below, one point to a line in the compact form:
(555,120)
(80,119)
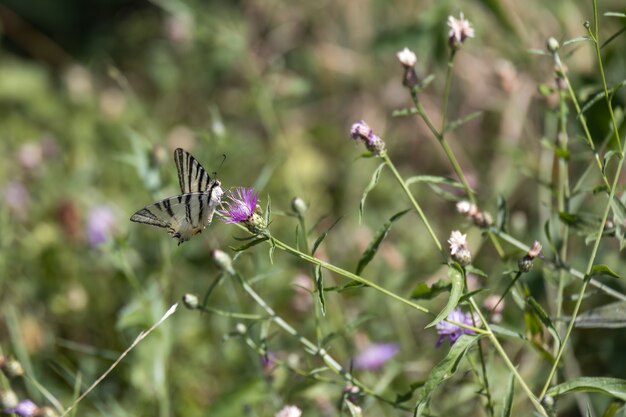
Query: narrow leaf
(445,369)
(455,276)
(370,187)
(615,14)
(609,316)
(423,292)
(249,244)
(602,269)
(508,397)
(543,317)
(381,233)
(619,210)
(433,179)
(458,122)
(319,284)
(613,387)
(577,39)
(503,214)
(321,238)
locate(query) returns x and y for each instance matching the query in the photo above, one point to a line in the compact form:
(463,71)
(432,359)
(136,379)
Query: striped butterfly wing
(183,216)
(192,177)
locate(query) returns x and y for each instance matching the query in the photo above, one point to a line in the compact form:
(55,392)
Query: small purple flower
(361,130)
(452,331)
(25,408)
(100,225)
(17,198)
(242,204)
(375,355)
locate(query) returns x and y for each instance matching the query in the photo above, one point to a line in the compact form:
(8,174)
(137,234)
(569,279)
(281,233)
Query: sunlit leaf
(444,369)
(321,238)
(455,276)
(613,387)
(370,186)
(508,397)
(380,235)
(319,285)
(609,316)
(423,292)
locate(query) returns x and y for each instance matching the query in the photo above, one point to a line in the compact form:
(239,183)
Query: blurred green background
(96,95)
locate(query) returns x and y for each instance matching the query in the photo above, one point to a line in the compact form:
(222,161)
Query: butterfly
(187,214)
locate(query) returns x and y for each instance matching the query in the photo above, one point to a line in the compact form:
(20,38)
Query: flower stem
(417,207)
(605,216)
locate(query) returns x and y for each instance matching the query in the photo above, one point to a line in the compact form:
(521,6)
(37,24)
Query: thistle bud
(8,399)
(222,261)
(298,206)
(552,45)
(526,263)
(191,301)
(11,367)
(408,60)
(48,412)
(460,29)
(241,328)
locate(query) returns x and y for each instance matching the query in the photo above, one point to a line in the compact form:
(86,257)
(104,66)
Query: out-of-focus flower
(100,225)
(375,355)
(451,331)
(112,102)
(222,260)
(30,155)
(407,57)
(79,83)
(303,287)
(289,411)
(178,28)
(361,131)
(11,368)
(458,248)
(69,217)
(495,305)
(17,199)
(460,29)
(471,212)
(25,408)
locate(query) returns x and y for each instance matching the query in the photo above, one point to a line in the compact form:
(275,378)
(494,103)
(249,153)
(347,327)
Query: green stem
(507,361)
(574,272)
(418,209)
(596,244)
(446,91)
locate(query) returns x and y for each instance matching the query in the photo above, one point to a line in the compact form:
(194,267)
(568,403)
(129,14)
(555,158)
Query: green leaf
(503,214)
(612,409)
(319,284)
(599,96)
(613,387)
(423,292)
(462,120)
(249,244)
(381,233)
(405,396)
(609,316)
(370,187)
(577,39)
(455,276)
(607,158)
(404,112)
(321,238)
(353,409)
(433,179)
(444,369)
(543,317)
(503,331)
(619,210)
(602,269)
(508,397)
(615,14)
(570,219)
(268,211)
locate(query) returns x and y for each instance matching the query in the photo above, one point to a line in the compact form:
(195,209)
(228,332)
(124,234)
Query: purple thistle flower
(361,130)
(375,355)
(25,408)
(241,207)
(452,331)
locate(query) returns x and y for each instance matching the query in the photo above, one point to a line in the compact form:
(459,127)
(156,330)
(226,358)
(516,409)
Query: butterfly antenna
(221,163)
